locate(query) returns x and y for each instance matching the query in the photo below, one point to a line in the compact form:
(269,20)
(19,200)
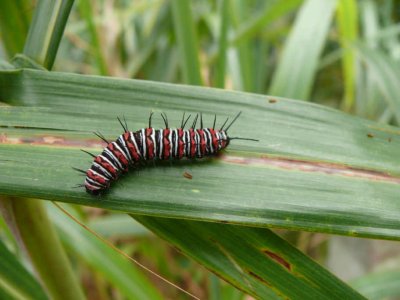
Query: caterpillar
(133,148)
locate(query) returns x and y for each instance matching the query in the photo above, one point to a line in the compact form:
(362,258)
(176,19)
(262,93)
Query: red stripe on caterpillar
(132,148)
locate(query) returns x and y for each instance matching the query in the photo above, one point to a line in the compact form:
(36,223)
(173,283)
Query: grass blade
(126,277)
(43,246)
(296,71)
(222,45)
(385,72)
(15,280)
(271,13)
(187,41)
(46,31)
(348,27)
(14,23)
(254,260)
(85,8)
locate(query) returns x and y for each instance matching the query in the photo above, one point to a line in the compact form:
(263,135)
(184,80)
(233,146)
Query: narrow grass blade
(46,30)
(46,253)
(255,25)
(15,280)
(347,19)
(85,8)
(14,23)
(219,78)
(385,72)
(125,276)
(294,76)
(187,41)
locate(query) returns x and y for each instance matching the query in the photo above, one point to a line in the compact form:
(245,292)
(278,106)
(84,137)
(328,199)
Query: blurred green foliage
(340,53)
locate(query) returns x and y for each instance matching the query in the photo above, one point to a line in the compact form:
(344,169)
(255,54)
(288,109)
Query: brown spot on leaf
(3,138)
(272,101)
(177,249)
(389,139)
(188,175)
(259,278)
(279,259)
(370,135)
(312,166)
(53,140)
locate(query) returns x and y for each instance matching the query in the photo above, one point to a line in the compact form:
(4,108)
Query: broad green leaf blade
(314,168)
(297,67)
(15,280)
(116,269)
(254,260)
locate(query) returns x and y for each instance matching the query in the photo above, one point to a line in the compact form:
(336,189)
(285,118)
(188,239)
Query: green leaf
(314,168)
(46,31)
(113,266)
(254,260)
(187,41)
(348,32)
(379,285)
(219,290)
(14,21)
(370,101)
(222,44)
(85,8)
(385,72)
(34,229)
(265,17)
(15,280)
(117,225)
(298,64)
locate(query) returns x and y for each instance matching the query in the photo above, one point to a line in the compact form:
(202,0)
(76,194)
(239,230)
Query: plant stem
(45,250)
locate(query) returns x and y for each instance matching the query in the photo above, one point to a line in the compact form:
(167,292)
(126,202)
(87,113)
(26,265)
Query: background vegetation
(315,169)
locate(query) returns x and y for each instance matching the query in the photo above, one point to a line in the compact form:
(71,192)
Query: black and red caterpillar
(132,148)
